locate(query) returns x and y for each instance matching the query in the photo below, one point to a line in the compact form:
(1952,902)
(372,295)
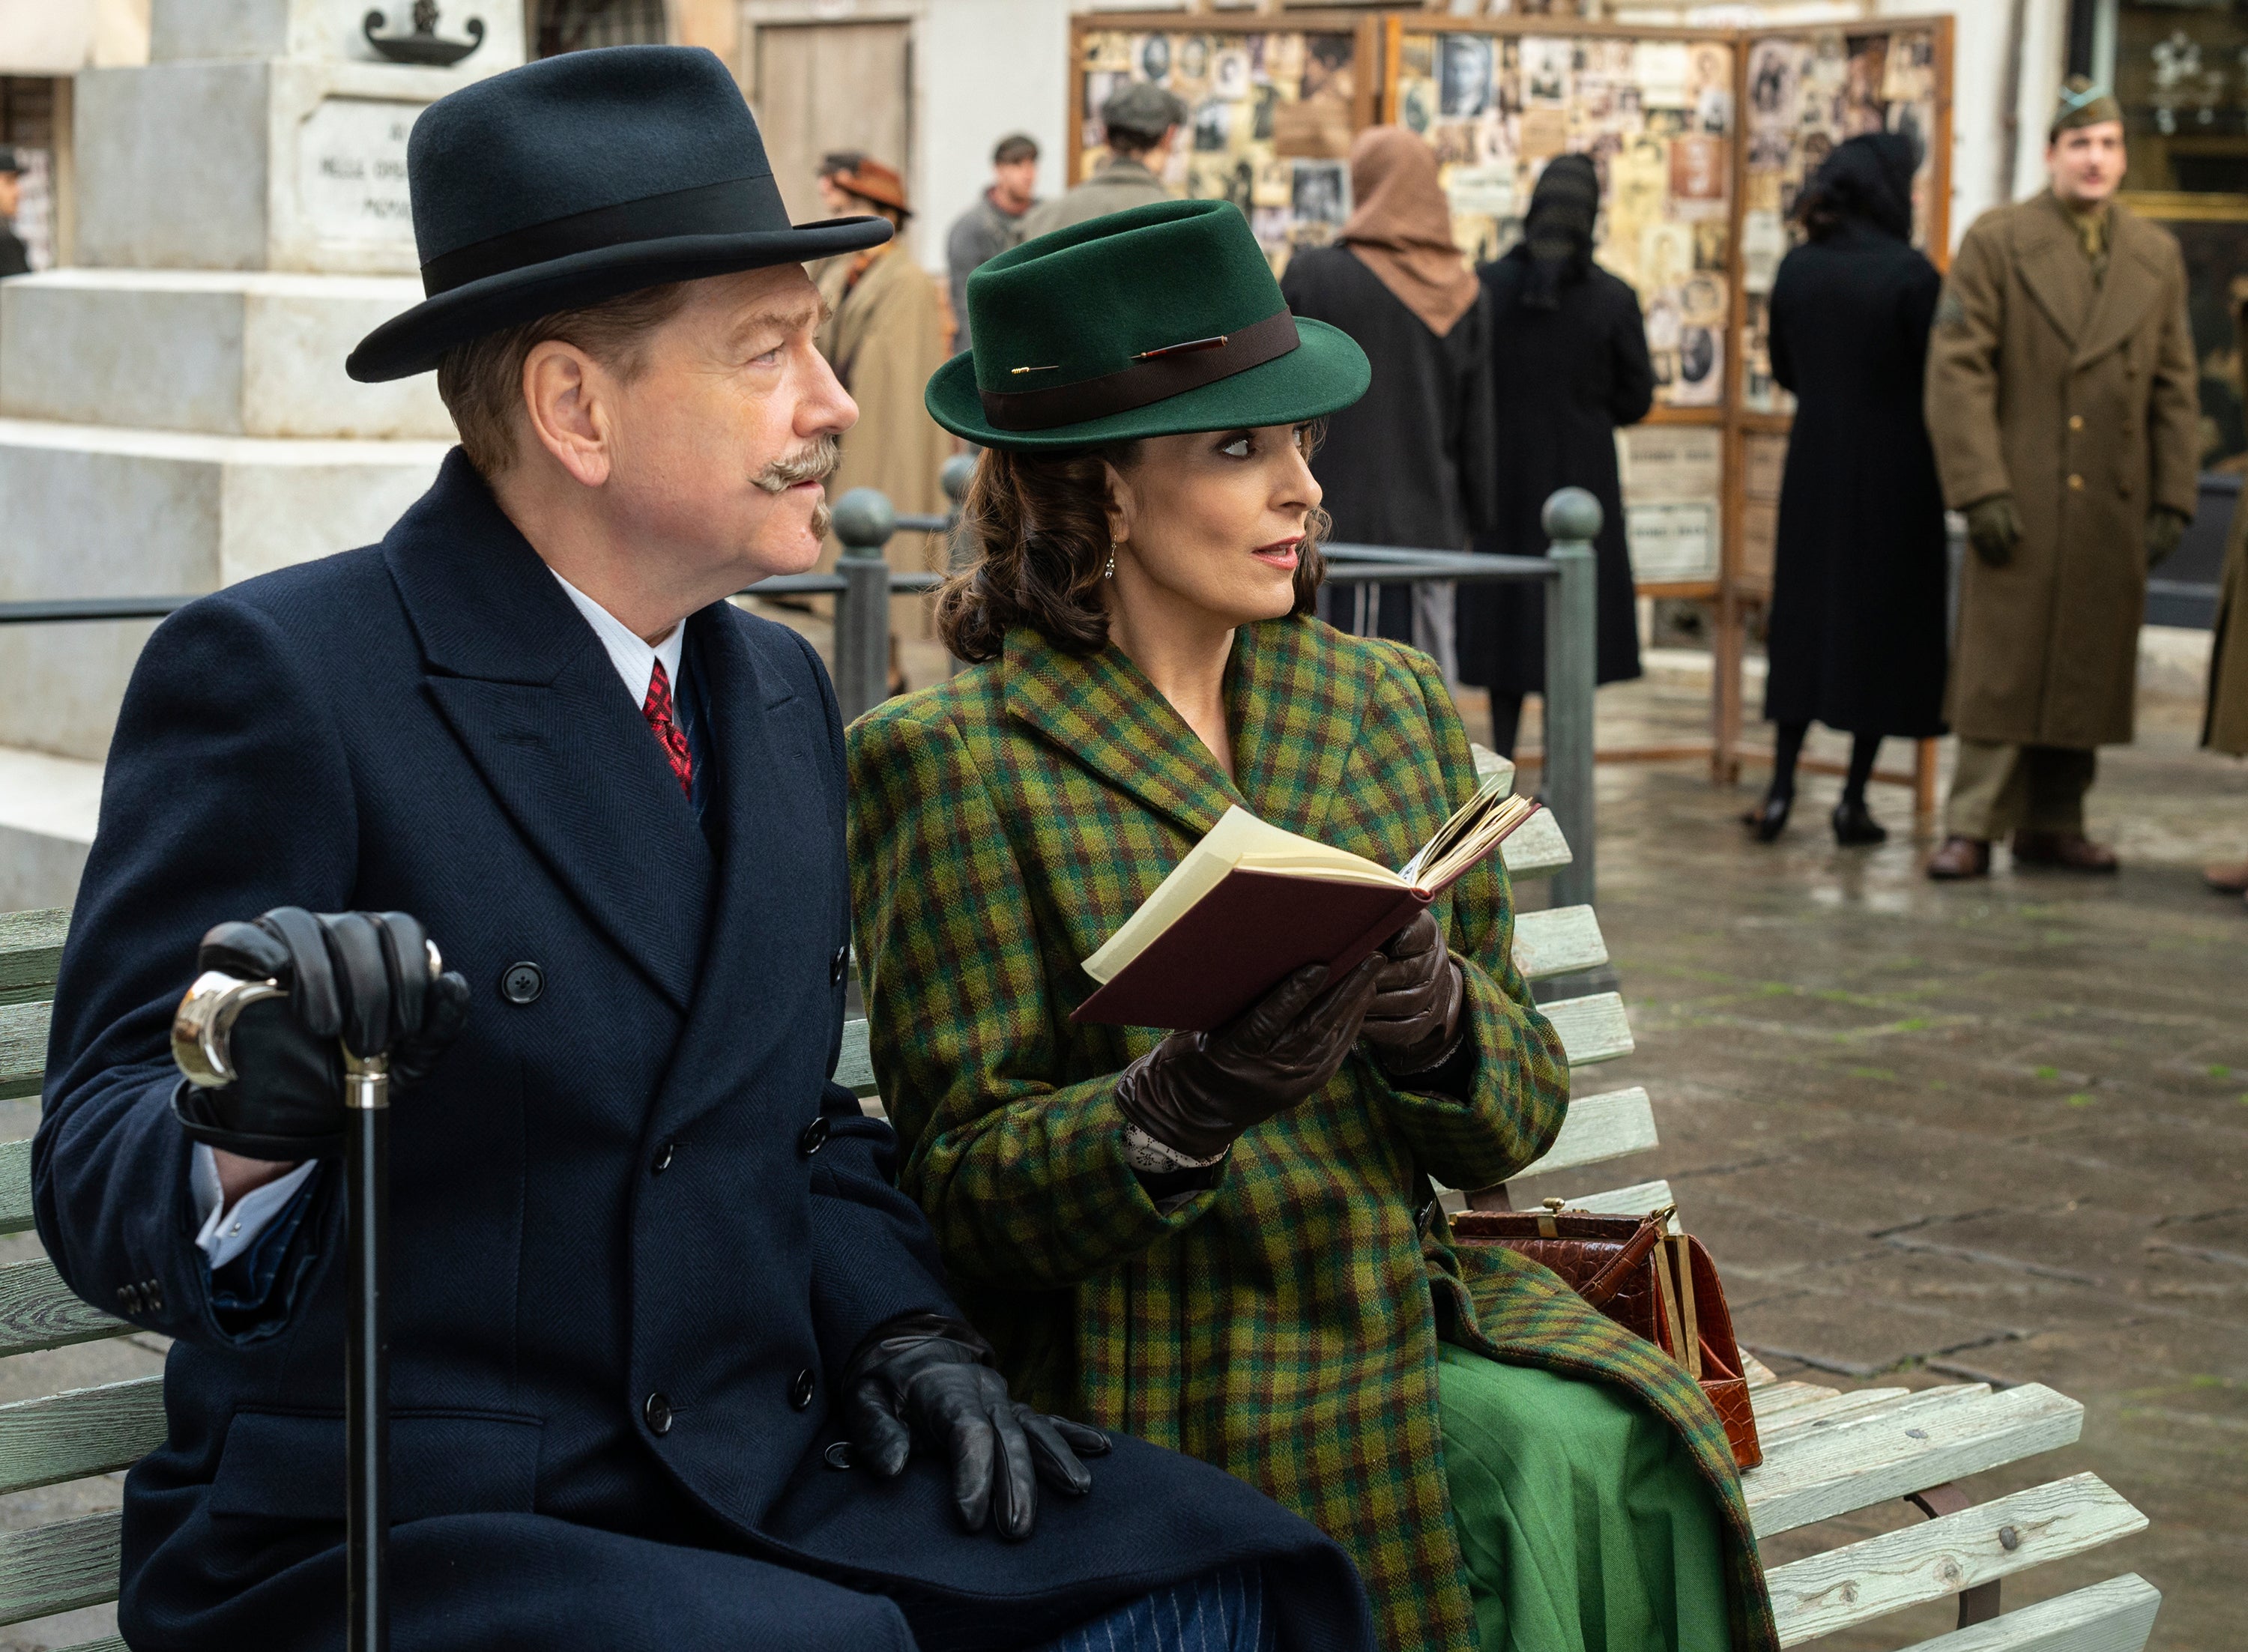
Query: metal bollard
(864,521)
(1571,519)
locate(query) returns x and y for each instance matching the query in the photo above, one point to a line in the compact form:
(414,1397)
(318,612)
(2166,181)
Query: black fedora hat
(580,178)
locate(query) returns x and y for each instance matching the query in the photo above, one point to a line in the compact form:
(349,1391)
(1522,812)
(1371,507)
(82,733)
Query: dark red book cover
(1242,940)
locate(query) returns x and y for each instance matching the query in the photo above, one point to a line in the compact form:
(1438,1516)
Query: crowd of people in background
(2045,390)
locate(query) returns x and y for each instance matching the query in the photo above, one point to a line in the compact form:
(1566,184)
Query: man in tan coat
(886,332)
(2062,403)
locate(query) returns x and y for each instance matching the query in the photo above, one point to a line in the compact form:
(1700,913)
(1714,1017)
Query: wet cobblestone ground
(1992,1132)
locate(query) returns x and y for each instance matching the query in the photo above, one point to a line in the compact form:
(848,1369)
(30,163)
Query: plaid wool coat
(1284,1324)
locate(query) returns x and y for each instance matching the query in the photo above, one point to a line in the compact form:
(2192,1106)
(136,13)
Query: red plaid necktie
(657,710)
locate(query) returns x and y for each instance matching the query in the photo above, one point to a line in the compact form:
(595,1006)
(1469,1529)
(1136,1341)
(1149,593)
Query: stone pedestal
(174,411)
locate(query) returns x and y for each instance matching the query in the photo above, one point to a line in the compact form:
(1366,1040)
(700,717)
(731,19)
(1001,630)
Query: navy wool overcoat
(605,1194)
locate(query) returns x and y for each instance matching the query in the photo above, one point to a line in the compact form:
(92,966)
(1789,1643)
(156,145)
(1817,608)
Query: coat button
(663,1157)
(838,964)
(657,1411)
(799,1392)
(839,1455)
(2076,422)
(814,1136)
(522,982)
(2076,485)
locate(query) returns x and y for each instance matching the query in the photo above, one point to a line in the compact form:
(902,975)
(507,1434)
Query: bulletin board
(1271,112)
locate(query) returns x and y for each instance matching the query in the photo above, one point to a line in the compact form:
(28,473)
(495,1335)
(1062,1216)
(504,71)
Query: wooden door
(822,87)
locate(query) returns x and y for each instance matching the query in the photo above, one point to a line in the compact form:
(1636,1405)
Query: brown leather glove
(1414,1018)
(2165,527)
(1197,1091)
(1994,528)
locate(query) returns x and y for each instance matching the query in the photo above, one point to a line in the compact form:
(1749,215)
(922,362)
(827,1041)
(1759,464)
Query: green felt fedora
(1152,322)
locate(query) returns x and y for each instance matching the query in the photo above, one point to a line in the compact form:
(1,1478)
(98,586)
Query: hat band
(739,206)
(1156,378)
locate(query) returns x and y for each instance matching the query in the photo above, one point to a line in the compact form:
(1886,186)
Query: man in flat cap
(2062,402)
(993,224)
(1139,123)
(672,1364)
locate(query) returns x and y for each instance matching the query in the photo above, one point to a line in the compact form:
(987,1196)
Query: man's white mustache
(814,464)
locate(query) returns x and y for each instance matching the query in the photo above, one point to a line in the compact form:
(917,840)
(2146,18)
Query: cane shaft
(366,1387)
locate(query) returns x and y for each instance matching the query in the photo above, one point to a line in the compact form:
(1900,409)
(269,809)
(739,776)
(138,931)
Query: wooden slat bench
(1829,1452)
(64,1565)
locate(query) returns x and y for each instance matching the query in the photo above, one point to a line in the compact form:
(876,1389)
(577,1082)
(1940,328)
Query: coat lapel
(2055,271)
(1098,711)
(530,694)
(1293,702)
(2133,285)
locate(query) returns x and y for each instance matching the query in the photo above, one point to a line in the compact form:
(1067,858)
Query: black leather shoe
(1769,819)
(1855,824)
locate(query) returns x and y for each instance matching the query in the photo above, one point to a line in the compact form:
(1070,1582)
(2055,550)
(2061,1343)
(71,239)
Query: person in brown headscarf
(1410,464)
(1569,353)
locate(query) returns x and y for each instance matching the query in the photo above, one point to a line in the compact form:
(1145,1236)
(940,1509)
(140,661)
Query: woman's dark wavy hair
(1040,524)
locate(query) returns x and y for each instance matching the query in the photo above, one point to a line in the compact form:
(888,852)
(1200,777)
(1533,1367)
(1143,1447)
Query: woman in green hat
(1223,1243)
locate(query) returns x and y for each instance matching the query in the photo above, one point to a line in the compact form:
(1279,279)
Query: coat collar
(2093,318)
(530,694)
(2137,268)
(2053,267)
(1294,690)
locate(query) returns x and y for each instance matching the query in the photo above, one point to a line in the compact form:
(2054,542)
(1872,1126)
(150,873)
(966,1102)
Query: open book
(1252,903)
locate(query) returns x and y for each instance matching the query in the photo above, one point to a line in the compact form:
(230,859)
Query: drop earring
(1109,573)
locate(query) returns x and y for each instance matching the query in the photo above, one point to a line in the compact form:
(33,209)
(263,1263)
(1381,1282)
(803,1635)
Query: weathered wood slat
(1835,1408)
(855,1068)
(1944,1435)
(22,1048)
(15,1185)
(31,953)
(80,1431)
(1488,763)
(1536,849)
(2114,1616)
(1638,1199)
(112,1644)
(1760,1375)
(1776,1399)
(38,1311)
(1592,1028)
(1871,1579)
(59,1567)
(1558,941)
(1598,1128)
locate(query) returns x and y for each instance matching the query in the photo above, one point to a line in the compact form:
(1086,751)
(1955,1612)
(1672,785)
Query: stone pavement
(1996,1132)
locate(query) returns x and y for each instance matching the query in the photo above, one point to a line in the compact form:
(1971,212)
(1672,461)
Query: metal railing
(862,584)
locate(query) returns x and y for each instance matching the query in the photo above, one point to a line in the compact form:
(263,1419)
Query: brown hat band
(1154,375)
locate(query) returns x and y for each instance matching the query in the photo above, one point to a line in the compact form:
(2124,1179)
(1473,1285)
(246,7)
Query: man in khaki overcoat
(2061,401)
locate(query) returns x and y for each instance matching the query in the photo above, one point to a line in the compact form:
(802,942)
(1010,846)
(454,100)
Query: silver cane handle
(203,1025)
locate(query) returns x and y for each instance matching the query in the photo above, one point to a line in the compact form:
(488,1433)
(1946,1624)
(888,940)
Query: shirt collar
(636,661)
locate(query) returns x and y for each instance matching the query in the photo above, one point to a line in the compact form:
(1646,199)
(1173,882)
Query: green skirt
(1582,1519)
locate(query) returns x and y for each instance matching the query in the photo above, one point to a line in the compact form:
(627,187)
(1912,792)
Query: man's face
(12,193)
(719,446)
(2086,163)
(841,203)
(1016,182)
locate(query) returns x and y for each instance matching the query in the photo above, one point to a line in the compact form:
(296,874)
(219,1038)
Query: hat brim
(412,343)
(1326,371)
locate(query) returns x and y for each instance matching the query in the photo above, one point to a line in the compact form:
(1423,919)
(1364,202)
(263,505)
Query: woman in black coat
(1569,357)
(1858,631)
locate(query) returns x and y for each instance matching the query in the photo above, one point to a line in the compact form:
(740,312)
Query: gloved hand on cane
(362,980)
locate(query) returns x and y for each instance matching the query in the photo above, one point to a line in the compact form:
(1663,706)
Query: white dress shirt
(227,1231)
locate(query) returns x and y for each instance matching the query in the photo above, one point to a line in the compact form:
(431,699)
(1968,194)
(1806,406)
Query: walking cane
(200,1036)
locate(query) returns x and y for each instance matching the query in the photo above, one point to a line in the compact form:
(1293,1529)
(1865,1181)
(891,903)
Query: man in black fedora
(672,1364)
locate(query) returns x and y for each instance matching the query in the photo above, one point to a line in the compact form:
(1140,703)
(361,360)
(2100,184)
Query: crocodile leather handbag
(1659,1284)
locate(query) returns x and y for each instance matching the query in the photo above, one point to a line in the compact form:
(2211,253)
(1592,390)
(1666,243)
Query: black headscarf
(1868,180)
(1557,235)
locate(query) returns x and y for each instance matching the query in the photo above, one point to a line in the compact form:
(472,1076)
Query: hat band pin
(737,206)
(1154,375)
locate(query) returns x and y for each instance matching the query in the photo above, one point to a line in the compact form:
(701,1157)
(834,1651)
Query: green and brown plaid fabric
(1284,1325)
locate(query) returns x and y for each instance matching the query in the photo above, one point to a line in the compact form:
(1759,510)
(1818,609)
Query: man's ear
(566,397)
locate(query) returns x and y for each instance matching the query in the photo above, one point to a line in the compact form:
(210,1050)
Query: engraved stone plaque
(351,171)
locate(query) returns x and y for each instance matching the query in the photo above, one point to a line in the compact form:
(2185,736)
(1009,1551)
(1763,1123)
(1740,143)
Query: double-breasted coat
(2079,399)
(624,1272)
(1284,1325)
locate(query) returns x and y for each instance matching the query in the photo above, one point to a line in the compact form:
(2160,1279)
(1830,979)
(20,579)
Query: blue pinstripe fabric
(1222,1611)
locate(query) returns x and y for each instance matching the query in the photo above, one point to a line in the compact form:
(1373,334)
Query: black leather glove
(362,977)
(2164,529)
(1197,1091)
(927,1376)
(1994,528)
(1414,1018)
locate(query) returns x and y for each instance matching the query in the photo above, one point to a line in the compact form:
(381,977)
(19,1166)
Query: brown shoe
(1959,857)
(2063,851)
(2232,879)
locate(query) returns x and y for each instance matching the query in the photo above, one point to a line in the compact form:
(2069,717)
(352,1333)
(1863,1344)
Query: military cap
(2082,104)
(1143,109)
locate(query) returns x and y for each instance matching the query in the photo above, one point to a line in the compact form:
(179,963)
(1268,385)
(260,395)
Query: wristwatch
(1143,1152)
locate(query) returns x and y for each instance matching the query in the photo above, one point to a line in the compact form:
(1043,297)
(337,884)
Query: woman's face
(1208,524)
